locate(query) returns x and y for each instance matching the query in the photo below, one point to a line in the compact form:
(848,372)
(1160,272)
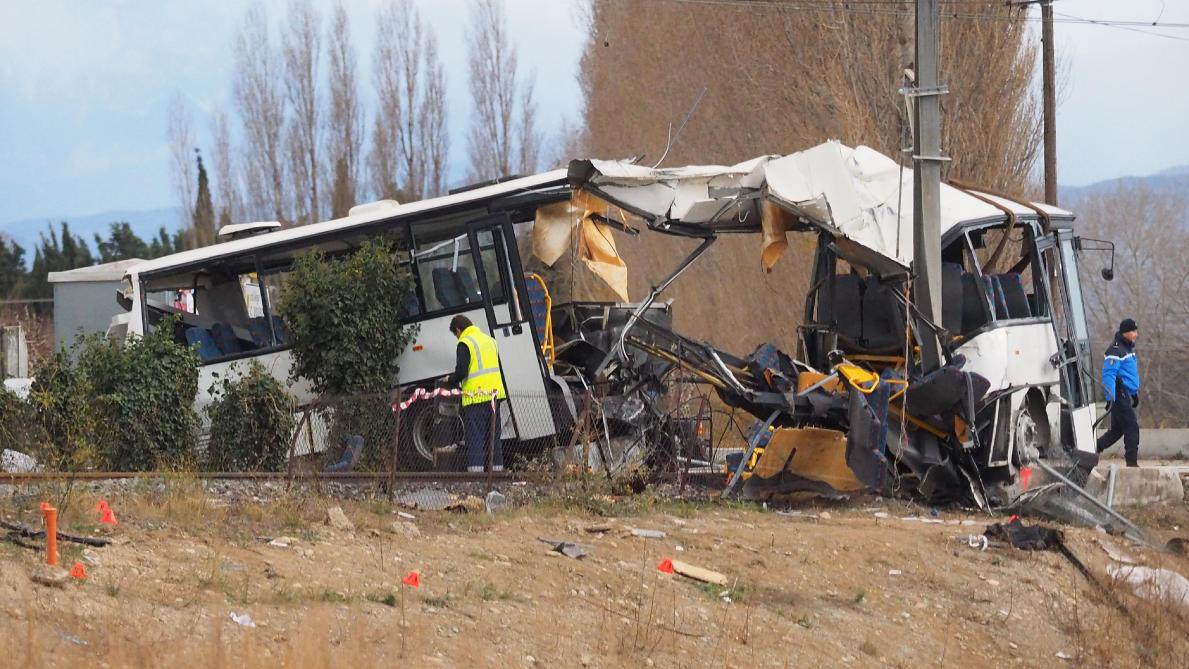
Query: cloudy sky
(84,87)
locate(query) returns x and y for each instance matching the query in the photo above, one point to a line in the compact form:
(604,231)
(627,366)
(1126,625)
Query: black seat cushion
(1015,299)
(883,317)
(951,297)
(974,310)
(446,289)
(841,305)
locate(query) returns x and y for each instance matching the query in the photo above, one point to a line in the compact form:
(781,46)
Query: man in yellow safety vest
(477,372)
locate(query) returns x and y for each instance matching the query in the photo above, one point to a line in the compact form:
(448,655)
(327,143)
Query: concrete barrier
(1138,485)
(1156,444)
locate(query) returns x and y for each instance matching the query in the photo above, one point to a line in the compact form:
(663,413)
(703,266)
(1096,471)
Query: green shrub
(251,423)
(19,429)
(120,406)
(343,316)
(60,399)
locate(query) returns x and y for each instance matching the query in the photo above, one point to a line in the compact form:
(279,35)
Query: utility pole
(926,181)
(1050,103)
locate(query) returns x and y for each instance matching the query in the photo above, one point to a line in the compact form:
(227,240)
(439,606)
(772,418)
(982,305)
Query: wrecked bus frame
(1018,386)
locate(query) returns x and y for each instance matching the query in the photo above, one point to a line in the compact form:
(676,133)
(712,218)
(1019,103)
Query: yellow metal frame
(547,348)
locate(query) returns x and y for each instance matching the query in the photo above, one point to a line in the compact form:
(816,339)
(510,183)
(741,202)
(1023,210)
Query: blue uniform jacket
(1120,364)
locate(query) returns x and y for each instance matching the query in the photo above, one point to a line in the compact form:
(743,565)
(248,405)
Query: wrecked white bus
(854,408)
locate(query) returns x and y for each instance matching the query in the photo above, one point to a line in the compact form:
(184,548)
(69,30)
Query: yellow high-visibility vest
(483,374)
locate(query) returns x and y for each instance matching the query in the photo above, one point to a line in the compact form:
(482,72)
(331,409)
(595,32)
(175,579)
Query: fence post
(305,418)
(491,437)
(395,442)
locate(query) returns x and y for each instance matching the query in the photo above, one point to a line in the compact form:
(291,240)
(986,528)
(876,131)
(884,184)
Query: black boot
(1132,462)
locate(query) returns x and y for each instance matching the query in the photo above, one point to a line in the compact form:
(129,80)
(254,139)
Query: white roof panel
(248,244)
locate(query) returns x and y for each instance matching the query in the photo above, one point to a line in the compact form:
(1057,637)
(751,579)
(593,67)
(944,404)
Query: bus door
(509,321)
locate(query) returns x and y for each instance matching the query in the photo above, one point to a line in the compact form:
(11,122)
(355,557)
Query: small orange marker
(413,579)
(78,571)
(666,566)
(1025,476)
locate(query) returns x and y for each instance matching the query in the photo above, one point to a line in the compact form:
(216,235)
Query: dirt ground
(867,583)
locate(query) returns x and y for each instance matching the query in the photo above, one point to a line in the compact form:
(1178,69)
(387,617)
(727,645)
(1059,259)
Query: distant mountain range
(1174,179)
(145,223)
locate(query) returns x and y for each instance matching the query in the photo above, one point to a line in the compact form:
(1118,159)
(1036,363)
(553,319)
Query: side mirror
(1108,273)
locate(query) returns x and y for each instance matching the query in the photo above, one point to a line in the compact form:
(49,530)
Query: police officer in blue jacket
(1120,378)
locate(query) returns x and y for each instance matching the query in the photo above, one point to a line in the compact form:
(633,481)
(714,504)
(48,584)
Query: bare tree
(344,136)
(260,103)
(301,45)
(503,135)
(434,142)
(784,76)
(1150,229)
(179,135)
(410,85)
(228,207)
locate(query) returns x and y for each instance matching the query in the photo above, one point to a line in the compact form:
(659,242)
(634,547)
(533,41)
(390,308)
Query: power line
(884,8)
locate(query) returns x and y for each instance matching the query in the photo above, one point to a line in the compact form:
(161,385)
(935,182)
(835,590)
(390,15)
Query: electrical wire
(894,8)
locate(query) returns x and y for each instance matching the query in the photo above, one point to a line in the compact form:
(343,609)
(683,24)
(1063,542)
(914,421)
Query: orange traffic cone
(78,571)
(106,515)
(666,566)
(413,579)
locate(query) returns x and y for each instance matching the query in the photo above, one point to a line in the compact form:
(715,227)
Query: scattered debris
(1029,538)
(468,504)
(338,520)
(978,541)
(20,530)
(54,577)
(1062,655)
(1155,585)
(243,619)
(495,501)
(698,573)
(282,542)
(894,572)
(72,639)
(597,529)
(1178,546)
(91,556)
(566,548)
(406,516)
(647,534)
(426,500)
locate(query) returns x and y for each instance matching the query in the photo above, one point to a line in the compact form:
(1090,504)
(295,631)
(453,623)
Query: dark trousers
(1123,424)
(476,423)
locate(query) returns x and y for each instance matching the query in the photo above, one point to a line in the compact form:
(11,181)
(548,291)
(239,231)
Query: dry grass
(799,589)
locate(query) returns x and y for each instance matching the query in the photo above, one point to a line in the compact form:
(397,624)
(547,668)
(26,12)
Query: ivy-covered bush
(343,316)
(118,405)
(251,423)
(19,429)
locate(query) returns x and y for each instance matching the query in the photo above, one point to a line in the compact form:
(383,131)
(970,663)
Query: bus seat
(883,317)
(467,286)
(258,328)
(280,329)
(974,311)
(446,289)
(951,297)
(1015,299)
(225,339)
(845,310)
(201,339)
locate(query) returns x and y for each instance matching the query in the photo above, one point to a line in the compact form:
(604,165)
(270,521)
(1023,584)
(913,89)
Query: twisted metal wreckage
(853,409)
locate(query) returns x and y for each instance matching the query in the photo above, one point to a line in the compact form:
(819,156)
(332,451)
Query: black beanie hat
(1128,325)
